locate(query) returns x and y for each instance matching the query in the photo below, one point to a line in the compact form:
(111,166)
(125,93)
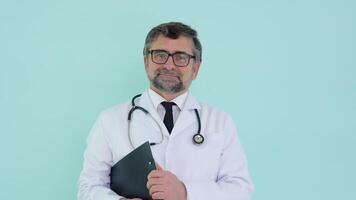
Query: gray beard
(173,88)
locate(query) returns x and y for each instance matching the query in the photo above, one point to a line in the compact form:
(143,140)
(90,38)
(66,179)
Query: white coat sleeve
(94,181)
(233,180)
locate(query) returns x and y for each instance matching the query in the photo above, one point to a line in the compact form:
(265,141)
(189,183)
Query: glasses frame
(171,55)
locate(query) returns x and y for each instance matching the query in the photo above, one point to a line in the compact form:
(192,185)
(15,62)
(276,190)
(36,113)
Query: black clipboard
(128,177)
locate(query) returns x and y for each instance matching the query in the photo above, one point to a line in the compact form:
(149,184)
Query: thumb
(158,167)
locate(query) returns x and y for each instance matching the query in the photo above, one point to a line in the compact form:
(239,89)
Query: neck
(167,96)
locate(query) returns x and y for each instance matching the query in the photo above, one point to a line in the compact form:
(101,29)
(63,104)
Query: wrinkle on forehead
(182,44)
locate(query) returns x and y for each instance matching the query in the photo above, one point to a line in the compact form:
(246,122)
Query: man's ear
(196,68)
(145,60)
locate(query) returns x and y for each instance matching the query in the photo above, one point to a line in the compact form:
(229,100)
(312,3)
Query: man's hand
(165,185)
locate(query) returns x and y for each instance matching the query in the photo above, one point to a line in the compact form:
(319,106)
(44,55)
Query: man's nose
(170,63)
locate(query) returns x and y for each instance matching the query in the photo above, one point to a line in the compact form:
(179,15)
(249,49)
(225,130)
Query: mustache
(167,71)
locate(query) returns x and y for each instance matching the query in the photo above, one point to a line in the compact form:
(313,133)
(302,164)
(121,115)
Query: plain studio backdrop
(284,70)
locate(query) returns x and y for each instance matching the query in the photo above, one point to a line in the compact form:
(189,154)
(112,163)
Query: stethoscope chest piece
(198,138)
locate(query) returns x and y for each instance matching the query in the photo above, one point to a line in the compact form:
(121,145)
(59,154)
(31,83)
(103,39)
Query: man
(212,166)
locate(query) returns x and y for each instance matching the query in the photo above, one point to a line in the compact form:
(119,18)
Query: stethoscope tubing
(198,138)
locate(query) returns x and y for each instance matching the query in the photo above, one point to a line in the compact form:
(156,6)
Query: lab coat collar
(145,102)
(157,99)
(190,102)
(186,116)
(180,101)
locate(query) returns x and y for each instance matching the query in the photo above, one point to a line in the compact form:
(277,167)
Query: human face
(168,78)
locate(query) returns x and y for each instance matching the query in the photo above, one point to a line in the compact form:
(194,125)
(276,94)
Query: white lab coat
(216,169)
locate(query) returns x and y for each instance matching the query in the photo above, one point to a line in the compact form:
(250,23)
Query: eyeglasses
(180,59)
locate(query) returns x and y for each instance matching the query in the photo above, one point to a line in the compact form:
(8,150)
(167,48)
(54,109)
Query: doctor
(195,146)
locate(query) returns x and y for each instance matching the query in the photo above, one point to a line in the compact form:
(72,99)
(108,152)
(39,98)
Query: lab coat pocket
(204,158)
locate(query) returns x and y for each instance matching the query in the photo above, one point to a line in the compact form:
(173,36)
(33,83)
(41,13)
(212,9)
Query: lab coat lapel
(146,103)
(187,115)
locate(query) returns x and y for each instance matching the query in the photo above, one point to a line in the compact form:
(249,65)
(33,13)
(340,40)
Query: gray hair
(174,30)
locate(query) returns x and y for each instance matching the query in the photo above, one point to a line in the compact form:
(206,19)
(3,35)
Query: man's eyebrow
(171,52)
(159,50)
(180,52)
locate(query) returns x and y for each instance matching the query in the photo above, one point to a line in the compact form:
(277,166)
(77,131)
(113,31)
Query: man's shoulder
(217,119)
(213,110)
(116,110)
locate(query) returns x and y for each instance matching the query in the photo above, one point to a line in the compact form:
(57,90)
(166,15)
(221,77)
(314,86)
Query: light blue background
(284,70)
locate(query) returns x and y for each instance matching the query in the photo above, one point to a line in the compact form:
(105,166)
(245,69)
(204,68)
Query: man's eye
(180,57)
(161,55)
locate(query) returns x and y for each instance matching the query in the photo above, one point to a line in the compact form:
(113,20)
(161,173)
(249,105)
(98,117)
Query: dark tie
(168,117)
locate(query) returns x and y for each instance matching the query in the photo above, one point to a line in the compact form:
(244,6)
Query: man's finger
(154,181)
(155,174)
(156,188)
(158,167)
(158,195)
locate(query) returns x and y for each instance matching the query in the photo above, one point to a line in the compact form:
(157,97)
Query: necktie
(168,117)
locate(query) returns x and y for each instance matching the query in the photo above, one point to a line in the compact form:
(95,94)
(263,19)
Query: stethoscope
(197,138)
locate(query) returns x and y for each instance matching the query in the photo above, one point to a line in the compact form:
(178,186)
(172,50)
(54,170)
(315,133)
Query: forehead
(182,43)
